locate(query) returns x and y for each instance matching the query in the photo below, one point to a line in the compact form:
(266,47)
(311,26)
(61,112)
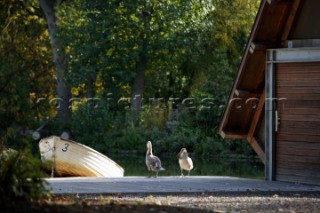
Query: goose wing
(154,163)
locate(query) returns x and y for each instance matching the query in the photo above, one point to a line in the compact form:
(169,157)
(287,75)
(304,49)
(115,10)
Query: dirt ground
(223,202)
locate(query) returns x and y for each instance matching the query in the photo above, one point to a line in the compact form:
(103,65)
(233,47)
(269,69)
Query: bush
(131,139)
(112,132)
(90,127)
(20,177)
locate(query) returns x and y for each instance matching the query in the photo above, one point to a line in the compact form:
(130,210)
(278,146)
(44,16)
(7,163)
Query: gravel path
(292,203)
(174,194)
(273,203)
(191,203)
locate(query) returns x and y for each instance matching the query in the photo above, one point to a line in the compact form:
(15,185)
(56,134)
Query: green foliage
(90,124)
(131,139)
(192,51)
(154,117)
(118,33)
(20,177)
(26,82)
(113,133)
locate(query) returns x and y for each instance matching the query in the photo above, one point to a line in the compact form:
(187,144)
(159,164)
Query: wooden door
(297,141)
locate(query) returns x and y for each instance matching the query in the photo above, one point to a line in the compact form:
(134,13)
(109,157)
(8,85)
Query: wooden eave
(244,110)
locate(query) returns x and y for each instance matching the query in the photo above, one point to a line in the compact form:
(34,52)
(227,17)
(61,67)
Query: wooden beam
(225,118)
(233,134)
(262,46)
(240,92)
(278,1)
(256,147)
(257,116)
(291,19)
(254,124)
(255,46)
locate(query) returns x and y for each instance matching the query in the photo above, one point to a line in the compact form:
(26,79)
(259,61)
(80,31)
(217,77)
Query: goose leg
(189,173)
(181,172)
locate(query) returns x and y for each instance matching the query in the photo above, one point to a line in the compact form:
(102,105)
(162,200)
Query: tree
(50,9)
(127,41)
(26,71)
(170,49)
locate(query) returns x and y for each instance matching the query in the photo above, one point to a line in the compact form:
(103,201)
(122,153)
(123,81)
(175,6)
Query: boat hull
(69,158)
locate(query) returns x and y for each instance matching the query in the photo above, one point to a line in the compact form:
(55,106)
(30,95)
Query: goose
(153,162)
(185,161)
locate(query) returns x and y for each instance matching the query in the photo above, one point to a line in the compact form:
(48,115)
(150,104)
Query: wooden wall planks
(298,137)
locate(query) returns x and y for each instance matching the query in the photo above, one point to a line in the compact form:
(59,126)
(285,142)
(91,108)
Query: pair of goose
(154,164)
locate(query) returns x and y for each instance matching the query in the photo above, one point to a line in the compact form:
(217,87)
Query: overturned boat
(69,158)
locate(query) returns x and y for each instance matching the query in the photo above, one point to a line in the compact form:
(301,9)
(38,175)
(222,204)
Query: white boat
(69,158)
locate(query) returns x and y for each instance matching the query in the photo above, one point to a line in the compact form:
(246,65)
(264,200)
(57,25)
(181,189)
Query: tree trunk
(137,90)
(90,88)
(90,94)
(50,8)
(138,84)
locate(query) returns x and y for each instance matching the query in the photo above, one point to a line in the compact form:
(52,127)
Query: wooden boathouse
(275,100)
